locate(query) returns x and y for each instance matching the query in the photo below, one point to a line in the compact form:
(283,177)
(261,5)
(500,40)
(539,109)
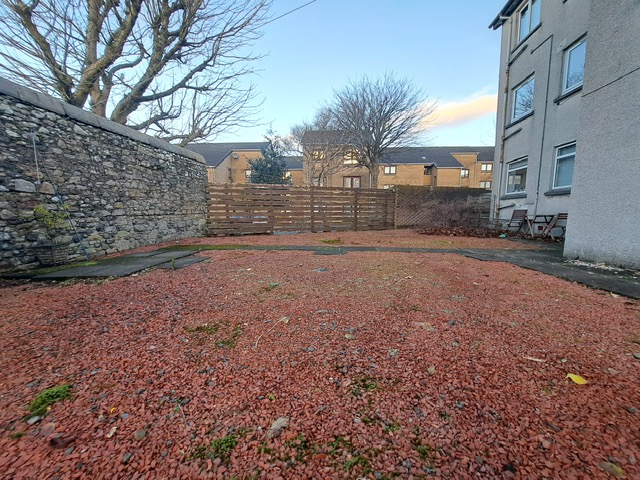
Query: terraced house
(568,128)
(229,162)
(329,161)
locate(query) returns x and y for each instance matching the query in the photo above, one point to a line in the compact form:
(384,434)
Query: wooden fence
(253,208)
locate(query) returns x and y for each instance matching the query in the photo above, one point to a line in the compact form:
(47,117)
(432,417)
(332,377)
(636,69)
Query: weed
(363,384)
(16,435)
(271,286)
(339,443)
(263,449)
(204,328)
(445,416)
(547,390)
(231,342)
(394,427)
(219,448)
(48,397)
(301,445)
(271,396)
(355,461)
(427,453)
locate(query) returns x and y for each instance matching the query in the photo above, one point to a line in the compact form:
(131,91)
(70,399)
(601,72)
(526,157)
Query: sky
(445,48)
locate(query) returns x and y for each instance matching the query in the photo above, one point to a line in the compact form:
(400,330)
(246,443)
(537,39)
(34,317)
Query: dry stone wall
(122,189)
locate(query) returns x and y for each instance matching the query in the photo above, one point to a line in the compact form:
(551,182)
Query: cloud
(464,111)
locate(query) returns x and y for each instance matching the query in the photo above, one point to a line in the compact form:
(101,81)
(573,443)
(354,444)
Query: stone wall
(122,189)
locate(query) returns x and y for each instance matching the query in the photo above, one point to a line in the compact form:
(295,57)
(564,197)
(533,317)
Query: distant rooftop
(441,157)
(215,153)
(293,163)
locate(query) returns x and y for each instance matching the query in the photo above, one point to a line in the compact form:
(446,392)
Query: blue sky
(446,48)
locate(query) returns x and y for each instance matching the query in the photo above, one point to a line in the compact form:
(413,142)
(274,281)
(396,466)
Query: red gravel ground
(388,365)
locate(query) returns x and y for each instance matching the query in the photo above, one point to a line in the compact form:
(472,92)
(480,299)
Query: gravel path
(378,365)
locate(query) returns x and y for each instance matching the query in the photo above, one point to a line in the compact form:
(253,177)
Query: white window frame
(514,97)
(486,185)
(464,173)
(486,167)
(387,187)
(247,173)
(351,181)
(350,158)
(528,6)
(390,170)
(567,58)
(512,168)
(556,163)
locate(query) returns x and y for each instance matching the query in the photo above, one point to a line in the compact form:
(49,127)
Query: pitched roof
(215,153)
(293,163)
(441,157)
(324,137)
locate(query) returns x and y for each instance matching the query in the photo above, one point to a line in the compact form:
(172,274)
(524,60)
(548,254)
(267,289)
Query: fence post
(355,210)
(313,209)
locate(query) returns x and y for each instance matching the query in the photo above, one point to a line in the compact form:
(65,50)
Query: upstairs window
(523,99)
(517,176)
(247,173)
(565,157)
(318,155)
(350,158)
(464,173)
(428,170)
(574,59)
(486,167)
(351,182)
(528,18)
(391,170)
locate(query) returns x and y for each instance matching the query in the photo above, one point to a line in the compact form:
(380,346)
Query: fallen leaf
(348,336)
(612,468)
(277,426)
(431,370)
(112,432)
(577,379)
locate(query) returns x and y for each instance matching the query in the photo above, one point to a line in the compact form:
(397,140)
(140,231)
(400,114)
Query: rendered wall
(604,218)
(123,189)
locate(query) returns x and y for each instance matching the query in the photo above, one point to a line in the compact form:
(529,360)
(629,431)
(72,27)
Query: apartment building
(568,126)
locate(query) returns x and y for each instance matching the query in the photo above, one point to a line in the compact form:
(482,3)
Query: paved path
(546,260)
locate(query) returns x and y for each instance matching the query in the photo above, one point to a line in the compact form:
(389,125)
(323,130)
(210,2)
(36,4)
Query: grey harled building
(568,128)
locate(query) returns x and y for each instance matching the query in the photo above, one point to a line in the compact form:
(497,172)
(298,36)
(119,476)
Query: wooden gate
(255,208)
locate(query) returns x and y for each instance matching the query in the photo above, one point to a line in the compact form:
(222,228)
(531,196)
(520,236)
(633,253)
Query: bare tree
(379,114)
(324,150)
(171,68)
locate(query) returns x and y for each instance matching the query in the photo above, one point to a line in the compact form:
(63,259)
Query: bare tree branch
(174,68)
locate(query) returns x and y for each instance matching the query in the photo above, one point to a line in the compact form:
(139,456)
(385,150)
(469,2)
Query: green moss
(16,435)
(204,328)
(357,461)
(363,384)
(219,448)
(48,397)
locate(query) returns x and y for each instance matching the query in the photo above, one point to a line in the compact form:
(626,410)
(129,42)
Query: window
(390,170)
(565,156)
(486,167)
(317,155)
(529,18)
(387,187)
(247,173)
(287,174)
(464,173)
(485,185)
(428,170)
(574,59)
(523,99)
(517,176)
(350,158)
(351,182)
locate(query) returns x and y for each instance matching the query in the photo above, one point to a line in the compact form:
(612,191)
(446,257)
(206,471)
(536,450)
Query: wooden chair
(548,230)
(518,219)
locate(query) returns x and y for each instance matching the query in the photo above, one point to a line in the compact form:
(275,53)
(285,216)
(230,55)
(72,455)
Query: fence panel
(255,208)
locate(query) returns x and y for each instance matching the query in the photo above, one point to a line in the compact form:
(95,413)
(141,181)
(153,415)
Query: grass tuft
(219,448)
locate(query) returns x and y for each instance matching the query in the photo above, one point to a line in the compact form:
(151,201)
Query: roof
(507,10)
(323,137)
(293,163)
(441,157)
(215,153)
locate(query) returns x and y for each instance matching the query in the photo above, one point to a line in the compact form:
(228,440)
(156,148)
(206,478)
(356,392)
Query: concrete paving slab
(181,263)
(116,267)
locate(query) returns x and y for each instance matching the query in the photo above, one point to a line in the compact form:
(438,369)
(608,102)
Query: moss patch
(48,397)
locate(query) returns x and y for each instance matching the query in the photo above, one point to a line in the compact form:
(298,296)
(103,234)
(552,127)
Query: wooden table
(538,220)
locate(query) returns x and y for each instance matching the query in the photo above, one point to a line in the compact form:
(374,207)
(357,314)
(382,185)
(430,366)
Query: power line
(289,12)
